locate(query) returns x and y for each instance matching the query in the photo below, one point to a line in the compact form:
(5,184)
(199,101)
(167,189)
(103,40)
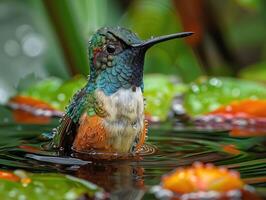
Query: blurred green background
(48,38)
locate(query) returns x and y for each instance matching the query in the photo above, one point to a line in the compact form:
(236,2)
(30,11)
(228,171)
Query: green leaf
(54,91)
(159,99)
(47,187)
(255,72)
(208,94)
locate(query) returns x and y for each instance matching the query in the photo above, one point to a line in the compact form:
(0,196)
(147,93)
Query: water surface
(129,179)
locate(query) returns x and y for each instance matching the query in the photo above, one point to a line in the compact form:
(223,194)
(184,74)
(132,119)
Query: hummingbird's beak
(149,43)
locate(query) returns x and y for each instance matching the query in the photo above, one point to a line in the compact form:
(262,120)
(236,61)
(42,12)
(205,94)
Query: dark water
(128,179)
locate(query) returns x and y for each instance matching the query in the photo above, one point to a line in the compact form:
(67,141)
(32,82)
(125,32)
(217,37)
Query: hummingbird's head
(116,57)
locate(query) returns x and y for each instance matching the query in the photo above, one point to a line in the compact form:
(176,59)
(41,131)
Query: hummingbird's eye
(110,48)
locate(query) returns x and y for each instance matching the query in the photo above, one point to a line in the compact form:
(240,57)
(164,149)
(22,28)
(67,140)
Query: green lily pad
(48,187)
(255,72)
(208,94)
(54,91)
(159,92)
(44,89)
(65,92)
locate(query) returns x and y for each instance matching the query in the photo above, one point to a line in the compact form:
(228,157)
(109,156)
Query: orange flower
(201,177)
(9,176)
(244,108)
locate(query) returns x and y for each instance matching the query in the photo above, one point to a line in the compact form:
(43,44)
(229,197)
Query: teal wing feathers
(66,131)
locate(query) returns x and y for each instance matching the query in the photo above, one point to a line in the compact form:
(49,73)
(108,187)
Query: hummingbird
(107,114)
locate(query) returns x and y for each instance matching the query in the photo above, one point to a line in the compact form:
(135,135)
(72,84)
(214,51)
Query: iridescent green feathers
(116,58)
(111,68)
(111,60)
(125,35)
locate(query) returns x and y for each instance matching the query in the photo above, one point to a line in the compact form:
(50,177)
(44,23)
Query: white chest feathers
(125,116)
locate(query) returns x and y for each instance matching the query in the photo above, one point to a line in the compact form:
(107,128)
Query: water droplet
(33,45)
(22,197)
(236,92)
(178,109)
(13,193)
(195,88)
(12,48)
(61,97)
(215,82)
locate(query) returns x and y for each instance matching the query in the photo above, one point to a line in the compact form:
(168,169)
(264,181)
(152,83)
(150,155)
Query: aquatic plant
(22,185)
(202,181)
